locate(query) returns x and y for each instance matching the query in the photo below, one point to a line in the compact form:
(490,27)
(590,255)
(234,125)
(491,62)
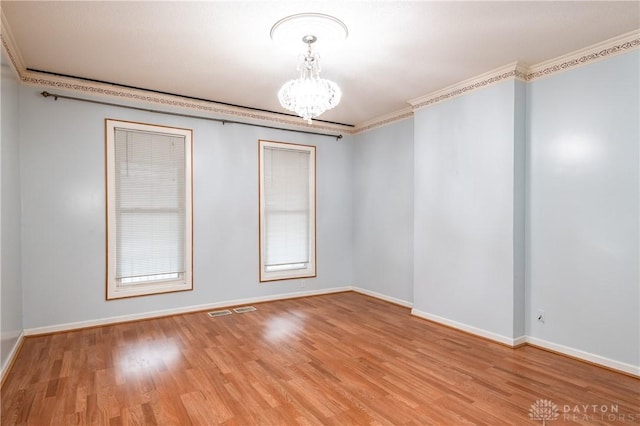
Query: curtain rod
(218,120)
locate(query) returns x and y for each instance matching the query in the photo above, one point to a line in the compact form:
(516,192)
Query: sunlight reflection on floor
(148,356)
(284,327)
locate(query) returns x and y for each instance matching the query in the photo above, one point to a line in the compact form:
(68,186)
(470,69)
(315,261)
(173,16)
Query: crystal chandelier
(309,95)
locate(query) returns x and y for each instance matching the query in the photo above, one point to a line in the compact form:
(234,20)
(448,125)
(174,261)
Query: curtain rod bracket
(47,94)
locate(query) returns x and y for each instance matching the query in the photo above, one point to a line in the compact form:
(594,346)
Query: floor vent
(219,313)
(243,309)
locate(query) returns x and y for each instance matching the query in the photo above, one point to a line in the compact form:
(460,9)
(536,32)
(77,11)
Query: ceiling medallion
(309,95)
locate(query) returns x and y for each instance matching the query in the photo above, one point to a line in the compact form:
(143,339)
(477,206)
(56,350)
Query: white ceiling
(222,51)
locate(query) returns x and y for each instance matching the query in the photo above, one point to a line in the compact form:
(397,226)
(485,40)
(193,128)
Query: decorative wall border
(393,117)
(614,46)
(66,83)
(512,71)
(596,52)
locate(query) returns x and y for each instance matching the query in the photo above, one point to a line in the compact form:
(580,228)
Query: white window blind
(287,211)
(286,190)
(150,206)
(149,209)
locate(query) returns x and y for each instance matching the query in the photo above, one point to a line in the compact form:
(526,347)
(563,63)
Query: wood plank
(340,359)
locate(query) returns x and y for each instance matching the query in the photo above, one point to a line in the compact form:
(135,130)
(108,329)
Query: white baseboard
(586,356)
(554,347)
(470,329)
(383,297)
(519,341)
(513,342)
(176,311)
(12,355)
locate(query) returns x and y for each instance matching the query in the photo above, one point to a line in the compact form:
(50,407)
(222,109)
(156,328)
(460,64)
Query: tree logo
(543,410)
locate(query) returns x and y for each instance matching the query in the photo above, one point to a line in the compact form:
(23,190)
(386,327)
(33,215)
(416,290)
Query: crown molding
(517,71)
(514,70)
(608,48)
(611,47)
(10,46)
(383,120)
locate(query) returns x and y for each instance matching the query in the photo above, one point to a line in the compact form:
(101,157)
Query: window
(149,211)
(287,211)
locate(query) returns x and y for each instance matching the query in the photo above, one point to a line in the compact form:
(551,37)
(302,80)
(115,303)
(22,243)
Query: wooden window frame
(160,286)
(311,270)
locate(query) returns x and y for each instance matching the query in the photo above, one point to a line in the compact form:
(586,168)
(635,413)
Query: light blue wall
(10,250)
(583,197)
(430,211)
(64,213)
(383,210)
(464,204)
(564,238)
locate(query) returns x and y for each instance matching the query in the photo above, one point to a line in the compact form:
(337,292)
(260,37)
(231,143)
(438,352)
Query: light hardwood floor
(338,359)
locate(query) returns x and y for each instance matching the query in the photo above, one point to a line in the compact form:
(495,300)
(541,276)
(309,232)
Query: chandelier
(309,95)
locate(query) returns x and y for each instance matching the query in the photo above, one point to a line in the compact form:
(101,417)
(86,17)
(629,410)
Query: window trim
(311,270)
(185,282)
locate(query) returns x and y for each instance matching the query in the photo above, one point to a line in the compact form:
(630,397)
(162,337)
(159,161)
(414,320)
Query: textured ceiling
(222,51)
